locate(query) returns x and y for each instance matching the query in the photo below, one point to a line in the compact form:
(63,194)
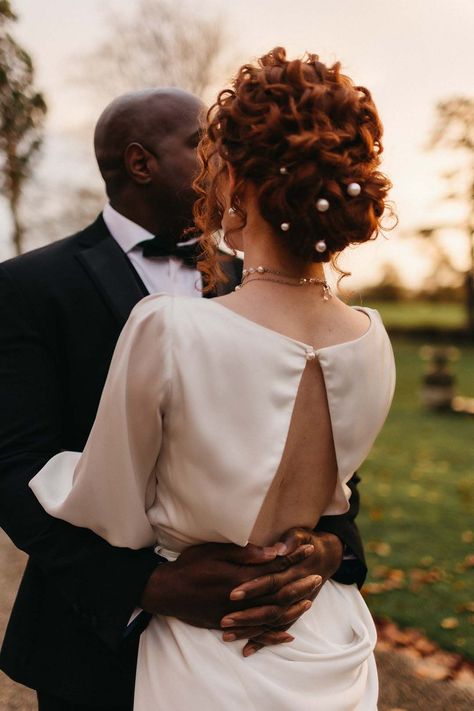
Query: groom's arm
(353,568)
(101,583)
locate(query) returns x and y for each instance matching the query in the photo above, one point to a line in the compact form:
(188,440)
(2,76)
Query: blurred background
(61,63)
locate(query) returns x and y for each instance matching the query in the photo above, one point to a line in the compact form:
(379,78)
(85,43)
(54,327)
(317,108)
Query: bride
(235,419)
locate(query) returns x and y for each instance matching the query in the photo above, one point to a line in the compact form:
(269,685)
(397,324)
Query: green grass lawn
(418,510)
(424,314)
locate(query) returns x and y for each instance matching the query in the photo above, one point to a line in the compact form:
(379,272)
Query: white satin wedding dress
(188,438)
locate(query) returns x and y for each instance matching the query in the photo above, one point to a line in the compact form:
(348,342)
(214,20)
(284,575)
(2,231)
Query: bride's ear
(231,220)
(227,185)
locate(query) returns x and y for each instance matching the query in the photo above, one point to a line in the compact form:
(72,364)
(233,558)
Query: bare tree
(454,129)
(49,220)
(21,120)
(163,43)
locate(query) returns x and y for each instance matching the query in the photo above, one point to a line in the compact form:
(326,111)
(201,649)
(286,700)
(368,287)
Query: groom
(61,311)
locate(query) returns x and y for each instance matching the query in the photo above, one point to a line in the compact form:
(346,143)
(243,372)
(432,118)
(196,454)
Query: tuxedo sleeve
(353,568)
(101,583)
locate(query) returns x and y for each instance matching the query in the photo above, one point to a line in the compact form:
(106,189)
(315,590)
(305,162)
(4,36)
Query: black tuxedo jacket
(61,311)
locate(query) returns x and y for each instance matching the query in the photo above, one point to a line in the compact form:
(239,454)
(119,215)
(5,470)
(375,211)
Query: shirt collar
(125,232)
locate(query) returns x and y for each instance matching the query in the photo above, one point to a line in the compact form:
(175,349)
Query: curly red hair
(325,132)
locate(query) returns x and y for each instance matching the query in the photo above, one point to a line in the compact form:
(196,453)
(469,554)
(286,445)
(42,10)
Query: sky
(409,53)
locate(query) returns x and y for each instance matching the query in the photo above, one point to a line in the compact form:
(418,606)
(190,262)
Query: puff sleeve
(111,485)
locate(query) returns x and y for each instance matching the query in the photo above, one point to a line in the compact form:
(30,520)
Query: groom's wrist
(331,552)
(155,593)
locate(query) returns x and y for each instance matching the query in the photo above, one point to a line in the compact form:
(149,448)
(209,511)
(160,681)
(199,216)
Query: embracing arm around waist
(353,568)
(102,583)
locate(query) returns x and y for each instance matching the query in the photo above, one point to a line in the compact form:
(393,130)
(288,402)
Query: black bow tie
(159,247)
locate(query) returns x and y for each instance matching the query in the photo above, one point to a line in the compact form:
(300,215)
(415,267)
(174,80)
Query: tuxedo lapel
(117,281)
(112,274)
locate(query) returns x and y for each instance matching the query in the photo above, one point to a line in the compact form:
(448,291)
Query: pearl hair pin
(320,246)
(322,205)
(353,189)
(231,211)
(284,170)
(285,226)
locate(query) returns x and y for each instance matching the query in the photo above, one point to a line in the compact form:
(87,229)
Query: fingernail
(227,622)
(229,636)
(288,638)
(308,550)
(316,580)
(249,652)
(237,595)
(270,552)
(281,548)
(307,605)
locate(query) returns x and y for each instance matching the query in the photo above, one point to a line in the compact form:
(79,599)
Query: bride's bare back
(306,477)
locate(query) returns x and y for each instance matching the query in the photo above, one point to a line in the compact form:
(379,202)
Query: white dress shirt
(159,274)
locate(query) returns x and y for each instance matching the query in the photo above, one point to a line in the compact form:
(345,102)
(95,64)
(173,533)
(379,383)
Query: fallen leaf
(447,659)
(425,647)
(427,560)
(430,670)
(373,588)
(376,514)
(465,676)
(449,623)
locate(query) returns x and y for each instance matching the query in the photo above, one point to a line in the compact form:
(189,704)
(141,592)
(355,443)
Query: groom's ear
(138,163)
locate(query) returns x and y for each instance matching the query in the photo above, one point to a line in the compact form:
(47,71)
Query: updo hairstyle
(298,131)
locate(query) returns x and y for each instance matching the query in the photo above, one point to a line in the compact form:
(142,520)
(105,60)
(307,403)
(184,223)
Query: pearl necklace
(258,274)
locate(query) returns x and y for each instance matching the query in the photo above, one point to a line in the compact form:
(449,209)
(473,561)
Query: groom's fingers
(266,559)
(272,637)
(265,639)
(275,587)
(271,615)
(283,589)
(270,583)
(248,555)
(259,634)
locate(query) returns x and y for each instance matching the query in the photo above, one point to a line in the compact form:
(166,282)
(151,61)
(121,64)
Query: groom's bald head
(142,117)
(145,143)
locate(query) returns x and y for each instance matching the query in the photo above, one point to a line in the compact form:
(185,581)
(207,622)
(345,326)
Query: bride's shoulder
(167,309)
(153,310)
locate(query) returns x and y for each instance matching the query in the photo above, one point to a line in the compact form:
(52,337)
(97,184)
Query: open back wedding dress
(189,436)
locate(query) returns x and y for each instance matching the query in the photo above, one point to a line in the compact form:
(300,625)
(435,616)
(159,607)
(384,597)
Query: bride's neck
(262,246)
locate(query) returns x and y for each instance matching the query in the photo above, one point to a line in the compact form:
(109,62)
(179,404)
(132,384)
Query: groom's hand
(267,591)
(196,588)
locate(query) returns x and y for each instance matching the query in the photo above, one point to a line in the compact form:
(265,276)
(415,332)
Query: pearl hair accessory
(322,205)
(285,226)
(231,211)
(284,170)
(320,246)
(353,189)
